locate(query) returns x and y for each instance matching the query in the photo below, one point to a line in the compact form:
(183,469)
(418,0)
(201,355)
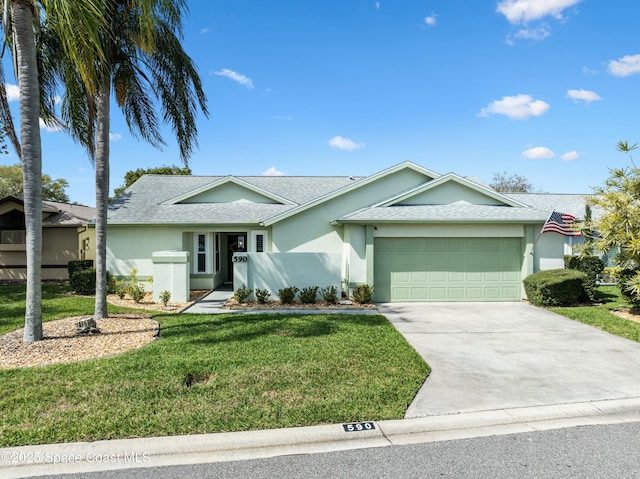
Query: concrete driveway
(487,356)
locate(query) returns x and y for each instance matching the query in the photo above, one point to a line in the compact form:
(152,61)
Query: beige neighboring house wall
(66,236)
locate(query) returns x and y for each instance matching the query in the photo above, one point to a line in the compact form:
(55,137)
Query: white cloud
(13,92)
(235,76)
(537,153)
(584,95)
(341,143)
(625,66)
(536,34)
(48,128)
(589,71)
(204,30)
(571,156)
(377,4)
(115,136)
(523,11)
(517,107)
(273,171)
(431,20)
(283,117)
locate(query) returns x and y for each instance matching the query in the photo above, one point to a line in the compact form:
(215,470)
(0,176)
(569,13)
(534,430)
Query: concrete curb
(29,461)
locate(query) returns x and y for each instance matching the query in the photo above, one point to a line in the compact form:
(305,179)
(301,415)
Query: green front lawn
(601,317)
(216,373)
(56,304)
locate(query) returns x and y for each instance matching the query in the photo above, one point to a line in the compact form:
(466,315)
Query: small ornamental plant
(165,296)
(262,295)
(362,294)
(309,295)
(329,294)
(242,293)
(287,294)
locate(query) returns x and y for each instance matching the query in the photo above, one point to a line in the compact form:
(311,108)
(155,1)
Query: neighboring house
(414,234)
(65,237)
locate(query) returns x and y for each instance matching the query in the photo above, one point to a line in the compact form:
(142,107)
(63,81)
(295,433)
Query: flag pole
(533,247)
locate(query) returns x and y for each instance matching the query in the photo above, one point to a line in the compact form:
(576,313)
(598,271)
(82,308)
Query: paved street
(603,452)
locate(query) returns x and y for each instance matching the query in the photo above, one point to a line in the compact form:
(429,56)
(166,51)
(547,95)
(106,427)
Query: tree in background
(132,176)
(618,205)
(76,26)
(144,61)
(617,223)
(510,183)
(11,184)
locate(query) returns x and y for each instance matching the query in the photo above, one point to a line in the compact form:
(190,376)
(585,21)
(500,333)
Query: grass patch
(56,304)
(219,373)
(600,316)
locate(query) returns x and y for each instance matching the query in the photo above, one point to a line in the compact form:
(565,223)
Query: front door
(236,242)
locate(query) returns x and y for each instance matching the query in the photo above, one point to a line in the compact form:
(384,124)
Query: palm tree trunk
(102,195)
(22,18)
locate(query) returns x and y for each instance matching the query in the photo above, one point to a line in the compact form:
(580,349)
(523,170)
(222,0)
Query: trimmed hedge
(79,265)
(84,281)
(555,287)
(592,266)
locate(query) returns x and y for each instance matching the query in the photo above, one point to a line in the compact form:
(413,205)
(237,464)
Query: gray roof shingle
(143,202)
(148,201)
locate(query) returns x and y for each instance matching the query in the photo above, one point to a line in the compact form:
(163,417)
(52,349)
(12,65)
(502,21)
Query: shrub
(329,294)
(262,295)
(309,295)
(83,281)
(626,277)
(121,288)
(287,294)
(555,287)
(362,293)
(592,266)
(112,283)
(136,292)
(79,265)
(165,296)
(242,293)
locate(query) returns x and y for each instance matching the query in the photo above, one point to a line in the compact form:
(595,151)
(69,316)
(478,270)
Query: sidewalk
(30,461)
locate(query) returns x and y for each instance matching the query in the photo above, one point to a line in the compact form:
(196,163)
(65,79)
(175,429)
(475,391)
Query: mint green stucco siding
(311,231)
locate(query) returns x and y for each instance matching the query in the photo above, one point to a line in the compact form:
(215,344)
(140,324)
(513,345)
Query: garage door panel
(447,269)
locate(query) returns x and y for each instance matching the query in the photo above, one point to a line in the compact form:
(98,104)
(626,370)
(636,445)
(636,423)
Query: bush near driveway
(219,373)
(555,287)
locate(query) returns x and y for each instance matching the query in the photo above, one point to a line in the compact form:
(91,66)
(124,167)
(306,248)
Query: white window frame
(254,241)
(206,252)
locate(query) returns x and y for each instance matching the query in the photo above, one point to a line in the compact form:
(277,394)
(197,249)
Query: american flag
(562,223)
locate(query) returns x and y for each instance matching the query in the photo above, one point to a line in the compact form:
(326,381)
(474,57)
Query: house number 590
(240,259)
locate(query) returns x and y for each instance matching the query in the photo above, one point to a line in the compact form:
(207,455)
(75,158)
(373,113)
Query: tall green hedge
(79,265)
(84,281)
(592,266)
(555,287)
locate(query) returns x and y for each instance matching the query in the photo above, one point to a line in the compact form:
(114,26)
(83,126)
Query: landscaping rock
(87,326)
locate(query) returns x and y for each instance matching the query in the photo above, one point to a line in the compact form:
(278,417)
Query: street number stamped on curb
(359,426)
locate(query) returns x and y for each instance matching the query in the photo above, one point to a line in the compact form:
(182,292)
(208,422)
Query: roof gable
(452,189)
(229,190)
(400,168)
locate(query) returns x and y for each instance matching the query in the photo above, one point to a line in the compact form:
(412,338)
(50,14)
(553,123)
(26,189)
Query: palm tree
(77,25)
(144,61)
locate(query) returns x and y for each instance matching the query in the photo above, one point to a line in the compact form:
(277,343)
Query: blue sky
(542,88)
